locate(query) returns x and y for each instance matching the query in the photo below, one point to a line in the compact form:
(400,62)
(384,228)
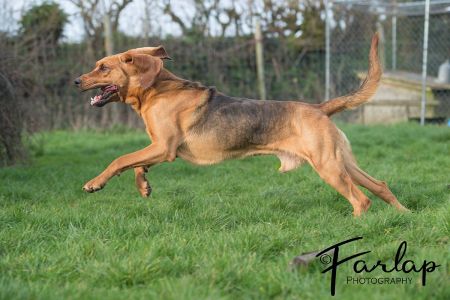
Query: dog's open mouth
(106,94)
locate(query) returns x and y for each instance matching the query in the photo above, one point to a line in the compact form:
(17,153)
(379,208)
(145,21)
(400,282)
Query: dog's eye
(103,68)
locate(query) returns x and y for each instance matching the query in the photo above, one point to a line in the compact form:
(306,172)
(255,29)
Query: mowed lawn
(219,232)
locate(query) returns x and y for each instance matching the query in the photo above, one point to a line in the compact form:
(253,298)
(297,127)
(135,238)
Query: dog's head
(123,75)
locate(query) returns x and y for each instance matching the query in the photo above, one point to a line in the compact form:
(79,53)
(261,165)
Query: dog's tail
(365,91)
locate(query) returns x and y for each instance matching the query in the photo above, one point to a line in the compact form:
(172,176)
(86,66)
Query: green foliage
(44,21)
(11,147)
(218,232)
(35,143)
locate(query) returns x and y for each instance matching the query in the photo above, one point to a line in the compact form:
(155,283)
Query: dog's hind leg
(361,178)
(377,187)
(324,147)
(333,172)
(142,184)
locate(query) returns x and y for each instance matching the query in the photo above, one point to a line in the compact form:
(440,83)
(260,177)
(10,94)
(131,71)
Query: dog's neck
(137,97)
(166,82)
(167,85)
(165,75)
(167,79)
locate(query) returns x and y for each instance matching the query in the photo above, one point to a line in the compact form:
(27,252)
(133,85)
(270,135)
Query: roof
(392,7)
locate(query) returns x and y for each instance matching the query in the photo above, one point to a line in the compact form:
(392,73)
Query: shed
(398,99)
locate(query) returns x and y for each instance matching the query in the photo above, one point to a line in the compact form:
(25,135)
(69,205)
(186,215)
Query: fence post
(424,62)
(259,59)
(394,38)
(381,45)
(111,115)
(327,50)
(109,49)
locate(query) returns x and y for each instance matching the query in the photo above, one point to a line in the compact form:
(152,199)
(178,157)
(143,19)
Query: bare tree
(199,23)
(149,6)
(102,19)
(92,13)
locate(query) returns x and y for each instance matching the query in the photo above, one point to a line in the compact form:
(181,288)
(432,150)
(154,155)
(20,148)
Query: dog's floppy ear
(159,52)
(148,67)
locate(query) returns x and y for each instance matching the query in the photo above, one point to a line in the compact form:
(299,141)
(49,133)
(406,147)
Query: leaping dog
(203,126)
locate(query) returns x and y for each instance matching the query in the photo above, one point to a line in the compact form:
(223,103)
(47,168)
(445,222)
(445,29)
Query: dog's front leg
(142,183)
(151,155)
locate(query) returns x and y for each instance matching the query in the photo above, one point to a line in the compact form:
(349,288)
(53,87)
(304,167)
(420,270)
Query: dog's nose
(77,81)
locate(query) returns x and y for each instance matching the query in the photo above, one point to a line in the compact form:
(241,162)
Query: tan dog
(198,124)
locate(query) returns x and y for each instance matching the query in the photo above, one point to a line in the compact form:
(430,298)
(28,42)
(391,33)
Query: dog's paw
(403,209)
(145,189)
(93,185)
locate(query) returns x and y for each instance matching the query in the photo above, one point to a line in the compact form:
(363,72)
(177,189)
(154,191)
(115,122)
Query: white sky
(131,20)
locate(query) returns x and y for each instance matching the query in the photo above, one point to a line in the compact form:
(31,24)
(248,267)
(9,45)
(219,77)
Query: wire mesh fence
(294,60)
(312,50)
(401,27)
(51,101)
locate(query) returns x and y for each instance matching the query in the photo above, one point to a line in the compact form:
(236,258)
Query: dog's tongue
(109,88)
(96,100)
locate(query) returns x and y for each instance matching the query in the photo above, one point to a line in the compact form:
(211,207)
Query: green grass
(220,232)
